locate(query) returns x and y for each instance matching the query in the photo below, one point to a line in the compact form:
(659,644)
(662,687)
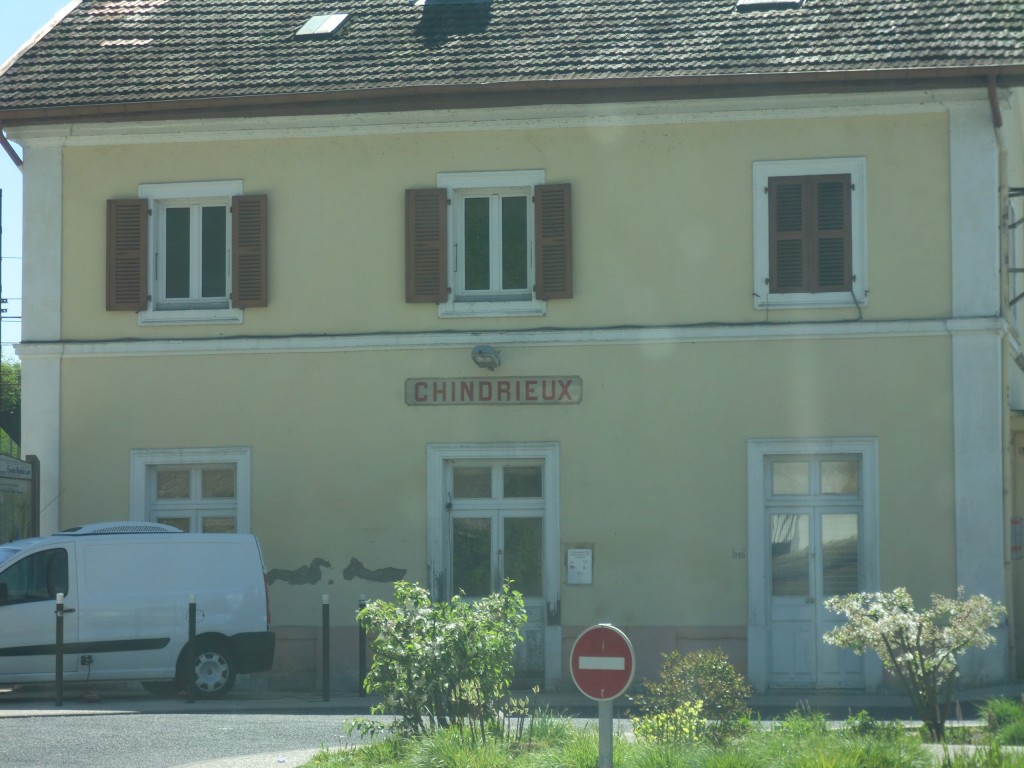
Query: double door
(814,556)
(497,533)
(815,543)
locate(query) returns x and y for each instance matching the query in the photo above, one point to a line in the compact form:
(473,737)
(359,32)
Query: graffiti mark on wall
(356,570)
(306,574)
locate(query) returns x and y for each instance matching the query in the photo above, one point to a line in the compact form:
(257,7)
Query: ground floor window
(199,490)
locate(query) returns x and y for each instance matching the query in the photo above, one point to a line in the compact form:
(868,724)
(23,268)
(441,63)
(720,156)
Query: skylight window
(767,5)
(323,26)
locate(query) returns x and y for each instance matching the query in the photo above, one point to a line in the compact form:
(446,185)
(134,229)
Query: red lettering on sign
(440,391)
(566,394)
(505,389)
(531,389)
(544,390)
(486,385)
(420,398)
(467,391)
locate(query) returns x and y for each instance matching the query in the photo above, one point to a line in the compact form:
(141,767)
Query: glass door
(497,533)
(814,540)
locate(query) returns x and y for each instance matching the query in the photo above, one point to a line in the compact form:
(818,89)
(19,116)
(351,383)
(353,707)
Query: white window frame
(459,186)
(758,558)
(438,456)
(144,458)
(856,167)
(1015,260)
(160,197)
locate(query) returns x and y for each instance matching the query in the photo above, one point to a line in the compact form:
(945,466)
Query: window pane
(37,577)
(172,484)
(218,525)
(471,556)
(215,249)
(472,483)
(791,477)
(513,243)
(177,259)
(219,483)
(790,556)
(181,523)
(523,483)
(839,554)
(523,537)
(840,477)
(478,243)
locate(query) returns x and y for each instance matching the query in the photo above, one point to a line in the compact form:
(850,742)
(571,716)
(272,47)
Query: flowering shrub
(680,726)
(920,648)
(443,664)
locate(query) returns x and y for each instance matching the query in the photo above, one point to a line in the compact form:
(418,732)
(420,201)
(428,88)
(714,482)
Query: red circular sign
(602,662)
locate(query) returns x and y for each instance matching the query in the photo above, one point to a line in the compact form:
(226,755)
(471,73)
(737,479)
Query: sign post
(601,663)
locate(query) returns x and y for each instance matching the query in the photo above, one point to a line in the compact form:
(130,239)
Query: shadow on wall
(312,573)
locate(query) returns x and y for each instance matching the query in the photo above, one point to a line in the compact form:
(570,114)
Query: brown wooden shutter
(249,251)
(810,244)
(552,217)
(426,245)
(127,255)
(832,241)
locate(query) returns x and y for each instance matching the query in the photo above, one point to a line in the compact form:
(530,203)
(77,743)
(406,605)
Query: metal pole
(362,650)
(190,654)
(604,733)
(326,645)
(59,650)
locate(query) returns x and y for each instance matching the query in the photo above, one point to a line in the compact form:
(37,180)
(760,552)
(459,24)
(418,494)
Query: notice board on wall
(18,514)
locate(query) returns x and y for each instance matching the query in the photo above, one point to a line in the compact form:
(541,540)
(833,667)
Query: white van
(126,591)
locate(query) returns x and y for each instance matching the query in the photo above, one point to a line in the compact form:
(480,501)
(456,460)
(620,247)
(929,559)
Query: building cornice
(526,93)
(377,342)
(495,119)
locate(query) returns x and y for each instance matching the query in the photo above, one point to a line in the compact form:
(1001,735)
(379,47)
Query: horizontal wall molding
(562,337)
(497,119)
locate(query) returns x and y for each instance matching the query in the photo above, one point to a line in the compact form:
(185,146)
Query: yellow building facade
(680,446)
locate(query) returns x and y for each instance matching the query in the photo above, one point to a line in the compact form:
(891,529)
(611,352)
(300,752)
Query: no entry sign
(602,662)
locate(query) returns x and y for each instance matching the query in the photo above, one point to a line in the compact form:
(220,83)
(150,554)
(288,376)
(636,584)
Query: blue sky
(19,20)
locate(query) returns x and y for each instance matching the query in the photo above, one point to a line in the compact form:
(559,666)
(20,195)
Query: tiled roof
(110,52)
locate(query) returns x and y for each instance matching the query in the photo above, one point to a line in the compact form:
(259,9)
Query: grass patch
(797,742)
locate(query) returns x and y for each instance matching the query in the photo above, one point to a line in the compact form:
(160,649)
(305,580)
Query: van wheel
(213,670)
(162,688)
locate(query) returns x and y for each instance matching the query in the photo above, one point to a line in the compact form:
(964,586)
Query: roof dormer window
(767,5)
(323,26)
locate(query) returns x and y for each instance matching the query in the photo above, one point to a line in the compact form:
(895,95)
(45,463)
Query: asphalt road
(165,740)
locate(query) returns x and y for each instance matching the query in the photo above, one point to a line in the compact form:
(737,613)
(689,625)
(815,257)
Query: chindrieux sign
(519,390)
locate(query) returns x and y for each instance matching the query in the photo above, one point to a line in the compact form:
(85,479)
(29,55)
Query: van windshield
(7,554)
(11,548)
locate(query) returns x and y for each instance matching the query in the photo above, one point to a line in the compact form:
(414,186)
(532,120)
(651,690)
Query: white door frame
(759,561)
(437,522)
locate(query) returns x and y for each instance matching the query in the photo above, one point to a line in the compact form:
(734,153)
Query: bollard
(362,650)
(59,651)
(190,655)
(326,644)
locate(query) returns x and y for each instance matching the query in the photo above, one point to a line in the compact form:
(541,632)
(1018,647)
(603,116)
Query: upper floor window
(489,243)
(809,233)
(187,252)
(1015,265)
